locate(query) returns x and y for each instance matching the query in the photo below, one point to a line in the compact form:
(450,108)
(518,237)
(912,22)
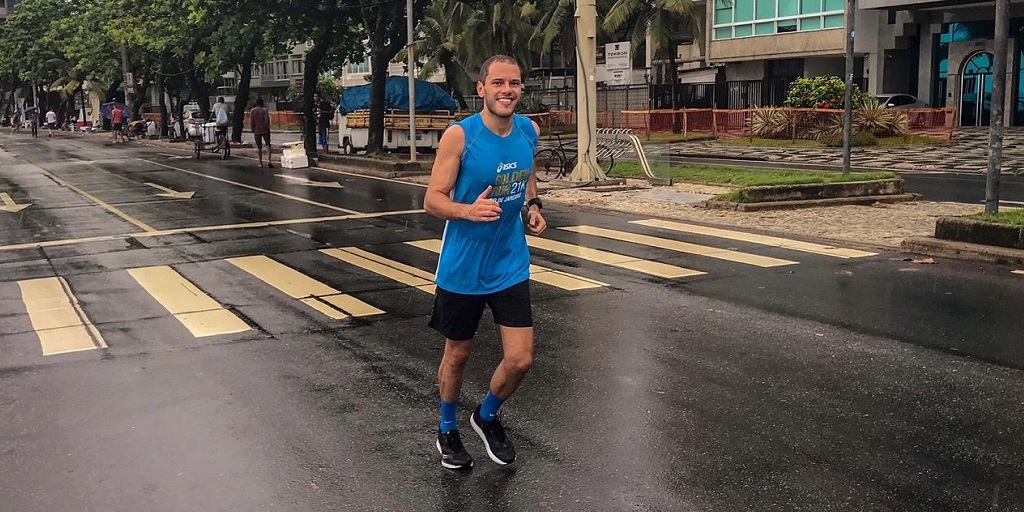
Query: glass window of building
(751,18)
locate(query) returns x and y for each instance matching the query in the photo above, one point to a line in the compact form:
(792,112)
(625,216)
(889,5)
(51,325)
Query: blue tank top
(478,258)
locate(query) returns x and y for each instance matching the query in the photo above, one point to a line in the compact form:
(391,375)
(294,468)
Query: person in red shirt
(259,122)
(116,118)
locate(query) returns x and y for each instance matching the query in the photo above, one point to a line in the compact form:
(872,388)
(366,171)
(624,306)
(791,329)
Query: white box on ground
(293,155)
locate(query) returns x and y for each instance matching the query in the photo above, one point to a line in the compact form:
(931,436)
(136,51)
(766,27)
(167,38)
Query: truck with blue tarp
(435,111)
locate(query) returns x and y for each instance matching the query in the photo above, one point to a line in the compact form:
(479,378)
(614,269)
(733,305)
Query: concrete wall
(748,70)
(824,66)
(905,4)
(779,46)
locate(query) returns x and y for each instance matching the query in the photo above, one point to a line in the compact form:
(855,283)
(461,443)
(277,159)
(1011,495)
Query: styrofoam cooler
(209,133)
(293,156)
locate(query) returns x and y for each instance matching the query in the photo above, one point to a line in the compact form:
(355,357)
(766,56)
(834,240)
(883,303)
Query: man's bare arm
(438,201)
(536,223)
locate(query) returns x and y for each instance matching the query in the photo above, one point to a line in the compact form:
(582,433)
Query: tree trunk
(112,90)
(314,58)
(379,76)
(453,90)
(242,96)
(161,90)
(201,91)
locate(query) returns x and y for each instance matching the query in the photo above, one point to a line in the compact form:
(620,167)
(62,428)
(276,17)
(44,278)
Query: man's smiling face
(501,88)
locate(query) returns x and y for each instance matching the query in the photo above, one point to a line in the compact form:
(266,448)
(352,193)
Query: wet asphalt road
(827,384)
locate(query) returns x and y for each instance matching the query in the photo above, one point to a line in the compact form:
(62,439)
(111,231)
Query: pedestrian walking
(51,122)
(325,113)
(259,122)
(16,126)
(116,121)
(481,178)
(33,115)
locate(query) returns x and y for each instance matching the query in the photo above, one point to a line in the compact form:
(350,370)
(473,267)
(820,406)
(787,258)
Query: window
(765,8)
(733,17)
(360,68)
(723,12)
(810,6)
(789,8)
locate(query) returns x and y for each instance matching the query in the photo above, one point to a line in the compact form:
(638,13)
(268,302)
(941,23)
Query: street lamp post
(851,13)
(995,129)
(412,82)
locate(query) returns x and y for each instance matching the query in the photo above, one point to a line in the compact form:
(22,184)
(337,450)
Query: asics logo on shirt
(507,167)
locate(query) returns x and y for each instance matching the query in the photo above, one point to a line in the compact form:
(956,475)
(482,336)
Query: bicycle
(222,144)
(554,163)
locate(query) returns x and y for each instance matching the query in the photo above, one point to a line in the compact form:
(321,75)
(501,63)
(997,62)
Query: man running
(116,119)
(259,122)
(481,178)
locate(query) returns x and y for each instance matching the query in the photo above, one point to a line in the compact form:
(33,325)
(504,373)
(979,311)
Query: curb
(809,203)
(963,250)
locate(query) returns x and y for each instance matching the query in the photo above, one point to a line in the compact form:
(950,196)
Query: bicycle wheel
(547,164)
(225,149)
(198,147)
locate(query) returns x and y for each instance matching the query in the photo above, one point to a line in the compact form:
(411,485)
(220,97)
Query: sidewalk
(967,153)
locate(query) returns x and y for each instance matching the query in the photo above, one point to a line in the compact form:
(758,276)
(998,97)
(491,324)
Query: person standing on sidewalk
(51,122)
(481,178)
(116,120)
(34,121)
(325,113)
(259,122)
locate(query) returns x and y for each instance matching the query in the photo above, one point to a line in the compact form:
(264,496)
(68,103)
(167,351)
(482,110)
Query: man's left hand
(536,223)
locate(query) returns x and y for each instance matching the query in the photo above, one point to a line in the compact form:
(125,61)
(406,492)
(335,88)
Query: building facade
(947,47)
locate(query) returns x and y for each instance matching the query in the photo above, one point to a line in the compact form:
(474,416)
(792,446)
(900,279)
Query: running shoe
(499,448)
(453,453)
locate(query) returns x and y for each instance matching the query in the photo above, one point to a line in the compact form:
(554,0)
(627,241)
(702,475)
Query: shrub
(881,122)
(820,92)
(770,123)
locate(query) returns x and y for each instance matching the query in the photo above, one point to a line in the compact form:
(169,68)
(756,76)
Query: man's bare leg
(453,365)
(517,345)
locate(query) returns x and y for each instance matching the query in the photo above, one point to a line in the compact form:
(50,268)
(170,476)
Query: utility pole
(995,127)
(129,86)
(412,82)
(851,13)
(586,94)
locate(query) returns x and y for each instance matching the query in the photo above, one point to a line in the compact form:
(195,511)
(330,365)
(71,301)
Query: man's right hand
(484,209)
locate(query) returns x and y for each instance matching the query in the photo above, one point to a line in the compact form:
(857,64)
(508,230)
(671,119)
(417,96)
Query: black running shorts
(457,316)
(260,138)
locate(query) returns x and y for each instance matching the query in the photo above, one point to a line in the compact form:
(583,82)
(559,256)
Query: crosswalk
(62,325)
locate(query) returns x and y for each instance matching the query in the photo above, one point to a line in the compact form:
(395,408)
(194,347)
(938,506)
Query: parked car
(193,120)
(901,101)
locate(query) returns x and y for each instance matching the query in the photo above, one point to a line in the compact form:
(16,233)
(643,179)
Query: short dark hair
(220,99)
(259,102)
(486,66)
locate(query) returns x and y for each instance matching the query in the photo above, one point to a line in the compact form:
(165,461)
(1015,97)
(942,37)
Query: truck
(435,111)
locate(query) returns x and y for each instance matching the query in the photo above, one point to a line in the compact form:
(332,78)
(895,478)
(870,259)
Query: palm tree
(655,21)
(505,27)
(441,39)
